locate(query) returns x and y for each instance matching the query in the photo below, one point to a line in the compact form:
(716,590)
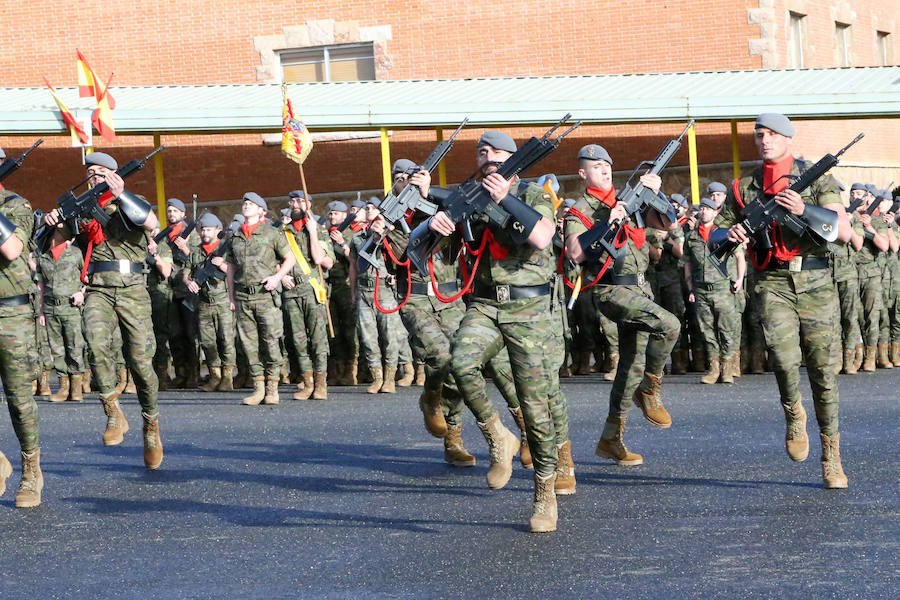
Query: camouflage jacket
(15,276)
(302,287)
(868,262)
(339,275)
(258,256)
(62,277)
(696,253)
(215,290)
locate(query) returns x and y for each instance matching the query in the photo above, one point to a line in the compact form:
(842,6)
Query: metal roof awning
(419,104)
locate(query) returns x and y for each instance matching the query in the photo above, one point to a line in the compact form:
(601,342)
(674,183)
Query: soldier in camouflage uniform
(669,276)
(875,242)
(182,322)
(344,346)
(796,291)
(117,298)
(160,292)
(887,283)
(305,309)
(259,258)
(846,279)
(17,367)
(894,296)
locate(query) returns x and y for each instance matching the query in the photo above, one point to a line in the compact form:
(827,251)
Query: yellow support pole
(692,154)
(735,151)
(442,169)
(160,181)
(386,160)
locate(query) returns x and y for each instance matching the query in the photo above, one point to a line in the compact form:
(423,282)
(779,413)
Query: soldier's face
(173,215)
(298,204)
(867,201)
(857,194)
(488,155)
(208,234)
(372,212)
(251,210)
(706,215)
(336,217)
(772,146)
(96,174)
(596,174)
(717,197)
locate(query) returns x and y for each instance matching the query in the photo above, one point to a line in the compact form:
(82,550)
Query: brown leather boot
(44,384)
(582,362)
(544,513)
(431,405)
(613,365)
(122,381)
(858,354)
(598,359)
(259,391)
(895,353)
(180,378)
(736,362)
(796,442)
(420,374)
(192,376)
(883,361)
(242,379)
(5,471)
(226,384)
(757,360)
(76,387)
(285,375)
(524,451)
(726,374)
(611,446)
(305,389)
(869,361)
(162,374)
(503,446)
(679,364)
(116,424)
(647,397)
(153,448)
(62,394)
(565,470)
(698,361)
(86,382)
(271,395)
(388,386)
(849,362)
(320,386)
(377,380)
(744,363)
(454,452)
(352,368)
(408,375)
(32,482)
(130,388)
(832,471)
(364,373)
(712,375)
(215,378)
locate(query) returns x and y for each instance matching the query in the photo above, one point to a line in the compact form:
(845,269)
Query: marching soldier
(846,278)
(344,346)
(873,231)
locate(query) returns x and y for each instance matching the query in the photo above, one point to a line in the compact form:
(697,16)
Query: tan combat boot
(611,446)
(306,387)
(503,445)
(832,471)
(408,375)
(388,386)
(858,356)
(271,395)
(122,381)
(796,442)
(849,362)
(44,384)
(647,397)
(34,386)
(5,471)
(116,424)
(895,353)
(153,448)
(883,361)
(377,380)
(726,372)
(352,367)
(432,408)
(76,387)
(565,470)
(86,382)
(320,386)
(736,362)
(524,451)
(420,374)
(454,452)
(712,375)
(259,391)
(32,481)
(226,384)
(162,374)
(62,394)
(613,365)
(215,378)
(869,361)
(130,388)
(285,375)
(543,514)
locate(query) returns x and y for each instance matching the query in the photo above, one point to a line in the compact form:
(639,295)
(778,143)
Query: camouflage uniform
(345,345)
(870,288)
(847,280)
(61,281)
(669,276)
(165,323)
(214,314)
(371,323)
(183,330)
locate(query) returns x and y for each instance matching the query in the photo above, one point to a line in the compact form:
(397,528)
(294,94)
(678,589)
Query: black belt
(504,293)
(610,278)
(701,285)
(16,300)
(250,289)
(116,266)
(55,300)
(421,288)
(807,263)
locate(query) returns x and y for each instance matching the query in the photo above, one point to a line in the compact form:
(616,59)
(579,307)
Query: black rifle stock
(208,271)
(10,165)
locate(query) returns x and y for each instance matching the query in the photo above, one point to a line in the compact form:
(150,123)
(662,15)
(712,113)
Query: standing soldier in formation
(883,214)
(182,321)
(846,278)
(669,275)
(344,346)
(873,231)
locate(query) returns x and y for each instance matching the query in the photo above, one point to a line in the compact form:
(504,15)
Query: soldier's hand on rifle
(378,226)
(336,236)
(152,247)
(652,182)
(617,212)
(691,297)
(736,286)
(77,298)
(738,234)
(51,219)
(421,180)
(866,221)
(181,244)
(288,282)
(442,224)
(497,185)
(192,286)
(219,261)
(790,200)
(115,182)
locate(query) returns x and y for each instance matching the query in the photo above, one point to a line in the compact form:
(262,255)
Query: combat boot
(34,386)
(130,388)
(895,353)
(420,374)
(242,379)
(712,375)
(365,374)
(320,383)
(259,391)
(543,514)
(271,395)
(565,470)
(5,471)
(744,362)
(503,445)
(32,481)
(698,361)
(44,384)
(306,387)
(582,362)
(679,363)
(726,375)
(86,382)
(832,471)
(647,397)
(116,424)
(524,451)
(162,374)
(869,361)
(215,378)
(757,360)
(736,362)
(858,354)
(285,375)
(153,448)
(849,362)
(377,380)
(796,442)
(388,386)
(598,360)
(432,408)
(226,384)
(76,388)
(611,445)
(454,452)
(613,365)
(352,367)
(62,394)
(408,375)
(884,362)
(122,381)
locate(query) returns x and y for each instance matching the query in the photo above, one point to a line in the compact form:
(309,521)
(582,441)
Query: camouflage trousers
(671,299)
(554,358)
(797,318)
(525,326)
(887,302)
(718,316)
(17,369)
(66,339)
(848,306)
(260,328)
(216,323)
(374,325)
(126,309)
(345,345)
(752,331)
(871,305)
(42,356)
(309,331)
(647,334)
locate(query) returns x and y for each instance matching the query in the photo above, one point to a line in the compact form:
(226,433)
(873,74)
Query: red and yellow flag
(75,129)
(102,117)
(296,143)
(89,84)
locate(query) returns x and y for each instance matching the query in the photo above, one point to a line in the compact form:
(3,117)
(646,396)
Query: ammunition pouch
(133,209)
(6,229)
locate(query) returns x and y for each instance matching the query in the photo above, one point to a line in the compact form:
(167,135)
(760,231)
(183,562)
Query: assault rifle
(9,166)
(876,203)
(761,213)
(177,254)
(207,271)
(470,199)
(395,207)
(854,205)
(600,239)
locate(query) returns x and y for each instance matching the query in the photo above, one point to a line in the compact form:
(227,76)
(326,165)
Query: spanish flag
(102,117)
(296,143)
(89,84)
(75,129)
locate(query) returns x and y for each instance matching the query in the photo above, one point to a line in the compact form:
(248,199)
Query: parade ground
(351,498)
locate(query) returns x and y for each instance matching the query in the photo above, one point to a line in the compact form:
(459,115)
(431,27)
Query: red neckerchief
(57,250)
(298,225)
(682,221)
(705,230)
(607,197)
(94,232)
(210,248)
(249,229)
(175,231)
(498,252)
(636,234)
(355,226)
(773,180)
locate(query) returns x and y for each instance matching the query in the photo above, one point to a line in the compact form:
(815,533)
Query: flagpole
(318,266)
